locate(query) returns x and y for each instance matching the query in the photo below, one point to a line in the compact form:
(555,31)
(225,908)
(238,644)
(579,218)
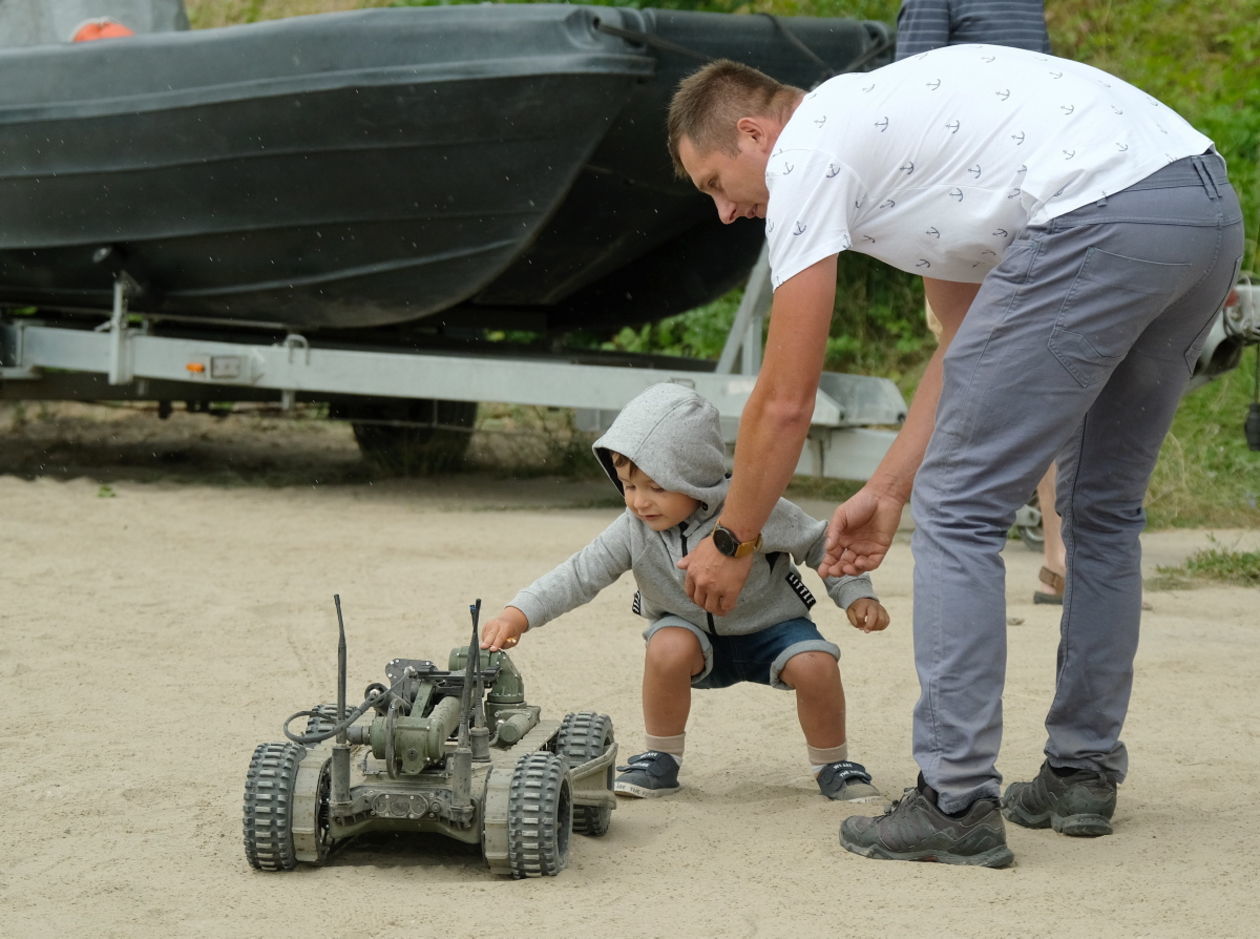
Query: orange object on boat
(101,28)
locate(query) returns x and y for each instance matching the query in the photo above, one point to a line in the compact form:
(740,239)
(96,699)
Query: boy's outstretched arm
(504,631)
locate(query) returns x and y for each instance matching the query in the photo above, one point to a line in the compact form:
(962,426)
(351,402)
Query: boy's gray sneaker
(914,829)
(647,776)
(847,781)
(1079,803)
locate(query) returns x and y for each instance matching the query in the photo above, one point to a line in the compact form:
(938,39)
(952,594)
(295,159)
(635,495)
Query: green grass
(1215,565)
(1206,476)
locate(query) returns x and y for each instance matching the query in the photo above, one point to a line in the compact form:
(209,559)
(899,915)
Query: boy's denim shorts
(757,657)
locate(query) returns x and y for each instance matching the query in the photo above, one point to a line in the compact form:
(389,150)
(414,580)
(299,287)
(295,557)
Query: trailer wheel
(268,809)
(584,736)
(410,436)
(540,816)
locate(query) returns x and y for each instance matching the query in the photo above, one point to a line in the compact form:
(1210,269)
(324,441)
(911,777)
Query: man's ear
(757,129)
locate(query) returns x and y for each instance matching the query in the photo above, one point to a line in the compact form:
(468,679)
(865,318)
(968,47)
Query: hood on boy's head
(674,435)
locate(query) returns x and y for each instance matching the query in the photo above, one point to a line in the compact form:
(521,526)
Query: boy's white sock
(825,756)
(672,745)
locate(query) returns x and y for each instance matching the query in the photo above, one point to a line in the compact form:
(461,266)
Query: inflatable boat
(461,166)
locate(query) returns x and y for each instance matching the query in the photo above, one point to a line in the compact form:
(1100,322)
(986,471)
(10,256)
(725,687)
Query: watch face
(725,542)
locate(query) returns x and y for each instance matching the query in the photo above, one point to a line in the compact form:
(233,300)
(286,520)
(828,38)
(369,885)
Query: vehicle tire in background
(584,736)
(409,436)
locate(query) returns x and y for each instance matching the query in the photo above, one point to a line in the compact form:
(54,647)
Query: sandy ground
(164,604)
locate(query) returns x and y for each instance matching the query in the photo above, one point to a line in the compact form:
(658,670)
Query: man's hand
(714,580)
(504,631)
(868,615)
(860,533)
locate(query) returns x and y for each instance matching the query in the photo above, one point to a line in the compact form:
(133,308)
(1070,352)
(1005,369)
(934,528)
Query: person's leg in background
(1051,577)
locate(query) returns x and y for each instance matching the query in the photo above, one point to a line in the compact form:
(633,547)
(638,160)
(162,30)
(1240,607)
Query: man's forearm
(896,471)
(895,474)
(776,418)
(766,453)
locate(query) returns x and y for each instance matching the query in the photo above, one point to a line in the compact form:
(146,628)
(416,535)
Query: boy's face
(657,508)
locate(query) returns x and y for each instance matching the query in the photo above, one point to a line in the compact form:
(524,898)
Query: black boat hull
(457,166)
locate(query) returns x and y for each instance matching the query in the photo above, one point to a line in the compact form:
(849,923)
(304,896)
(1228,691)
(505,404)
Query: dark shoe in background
(1074,802)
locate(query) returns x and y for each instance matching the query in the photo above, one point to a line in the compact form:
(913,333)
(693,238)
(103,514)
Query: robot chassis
(457,752)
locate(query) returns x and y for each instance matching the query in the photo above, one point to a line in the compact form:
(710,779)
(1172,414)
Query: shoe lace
(892,808)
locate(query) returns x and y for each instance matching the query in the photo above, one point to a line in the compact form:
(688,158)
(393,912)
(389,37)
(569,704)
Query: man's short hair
(709,103)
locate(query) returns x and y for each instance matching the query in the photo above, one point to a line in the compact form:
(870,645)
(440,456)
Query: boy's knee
(673,646)
(811,669)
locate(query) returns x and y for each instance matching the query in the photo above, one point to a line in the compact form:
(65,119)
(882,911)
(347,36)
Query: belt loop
(1205,177)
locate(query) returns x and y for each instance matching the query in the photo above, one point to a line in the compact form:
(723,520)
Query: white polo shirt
(934,164)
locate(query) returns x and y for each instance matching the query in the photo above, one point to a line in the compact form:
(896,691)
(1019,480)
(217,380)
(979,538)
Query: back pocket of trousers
(1111,301)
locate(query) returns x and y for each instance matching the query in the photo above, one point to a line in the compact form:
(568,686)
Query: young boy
(665,453)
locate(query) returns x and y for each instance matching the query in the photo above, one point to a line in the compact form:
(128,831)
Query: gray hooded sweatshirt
(674,436)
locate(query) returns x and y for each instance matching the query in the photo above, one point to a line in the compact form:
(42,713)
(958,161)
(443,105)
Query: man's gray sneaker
(647,775)
(914,829)
(847,781)
(1076,802)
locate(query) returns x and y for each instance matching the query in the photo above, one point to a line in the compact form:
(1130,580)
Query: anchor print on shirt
(1004,94)
(833,170)
(882,124)
(934,84)
(952,126)
(1019,138)
(799,229)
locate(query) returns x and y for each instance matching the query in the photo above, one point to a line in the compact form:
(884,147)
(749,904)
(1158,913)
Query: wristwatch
(729,544)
